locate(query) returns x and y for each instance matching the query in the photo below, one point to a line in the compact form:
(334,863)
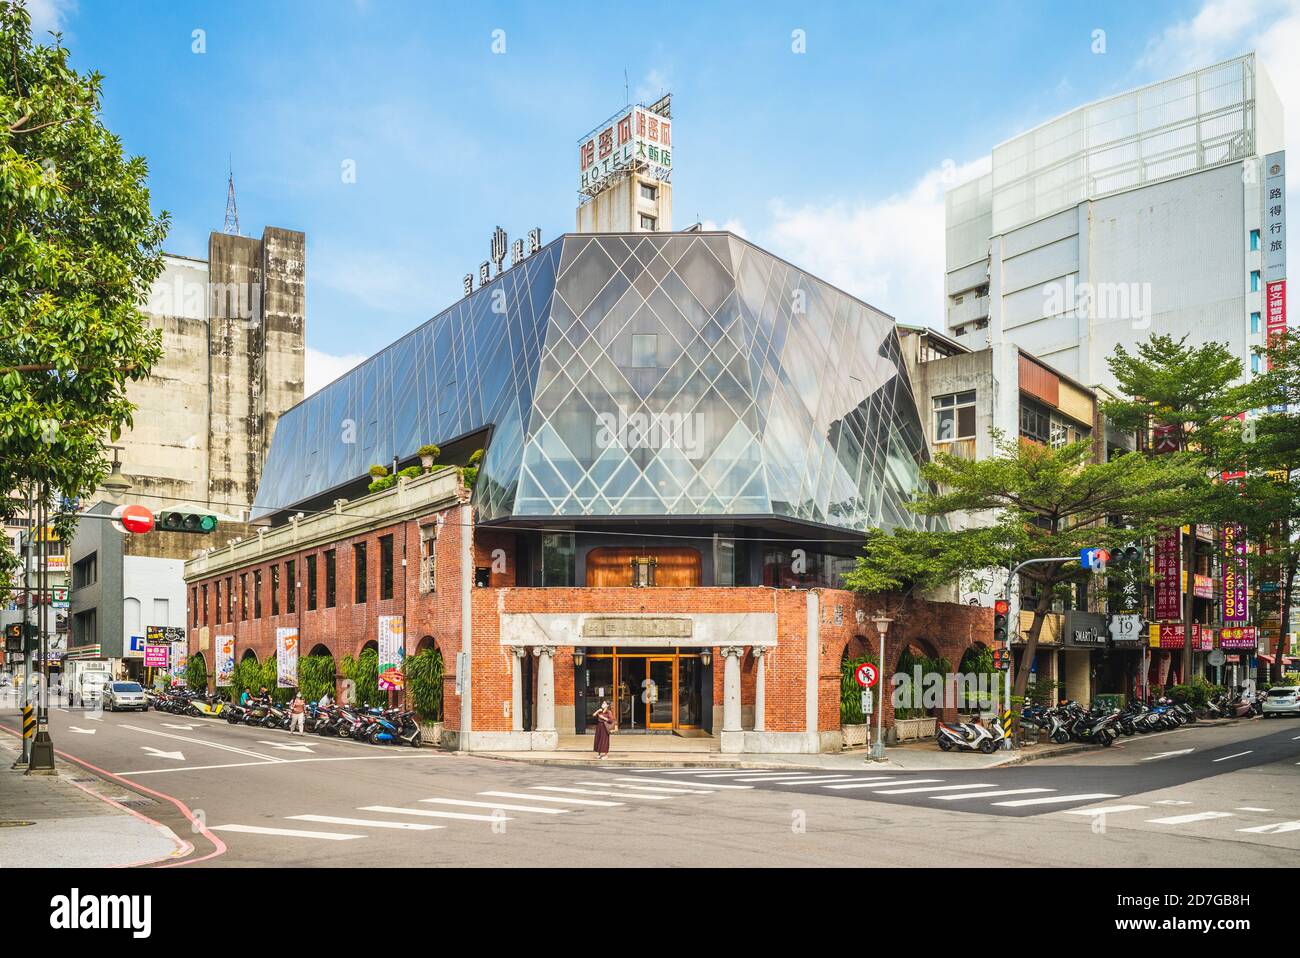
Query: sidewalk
(75,820)
(913,757)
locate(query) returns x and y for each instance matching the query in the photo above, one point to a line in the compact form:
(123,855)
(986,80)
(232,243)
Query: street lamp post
(882,622)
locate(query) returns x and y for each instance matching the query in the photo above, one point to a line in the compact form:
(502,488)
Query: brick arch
(372,644)
(320,648)
(428,643)
(854,648)
(247,654)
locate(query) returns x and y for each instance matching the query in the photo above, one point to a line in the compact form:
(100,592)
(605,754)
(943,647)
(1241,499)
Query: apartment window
(257,594)
(243,596)
(194,604)
(645,350)
(359,571)
(386,567)
(1254,281)
(1254,240)
(216,600)
(1254,322)
(291,591)
(329,579)
(205,605)
(954,416)
(651,193)
(648,223)
(311,583)
(230,599)
(1254,362)
(275,590)
(86,572)
(1035,422)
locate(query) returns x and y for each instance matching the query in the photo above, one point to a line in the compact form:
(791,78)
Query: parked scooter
(970,737)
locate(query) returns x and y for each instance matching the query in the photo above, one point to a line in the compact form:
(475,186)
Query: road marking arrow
(1181,751)
(159,753)
(83,731)
(291,748)
(170,725)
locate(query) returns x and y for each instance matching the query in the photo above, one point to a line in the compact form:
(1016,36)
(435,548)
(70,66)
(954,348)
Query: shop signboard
(1085,629)
(156,656)
(135,647)
(1168,574)
(1163,635)
(1235,612)
(1238,637)
(630,139)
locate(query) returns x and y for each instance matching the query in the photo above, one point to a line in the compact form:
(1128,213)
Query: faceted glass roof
(675,374)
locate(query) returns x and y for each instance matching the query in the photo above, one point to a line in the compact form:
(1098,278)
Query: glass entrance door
(659,693)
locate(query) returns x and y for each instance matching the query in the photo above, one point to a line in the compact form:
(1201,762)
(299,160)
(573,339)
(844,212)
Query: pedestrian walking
(604,722)
(297,714)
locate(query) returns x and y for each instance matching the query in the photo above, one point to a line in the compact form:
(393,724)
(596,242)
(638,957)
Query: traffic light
(197,522)
(1000,609)
(1132,552)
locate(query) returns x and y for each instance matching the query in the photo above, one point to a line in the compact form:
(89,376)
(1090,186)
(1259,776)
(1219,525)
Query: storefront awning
(1266,659)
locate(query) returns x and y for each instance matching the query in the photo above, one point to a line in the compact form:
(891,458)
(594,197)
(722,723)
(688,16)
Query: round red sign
(136,519)
(867,675)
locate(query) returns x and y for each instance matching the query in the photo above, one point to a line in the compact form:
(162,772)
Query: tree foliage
(79,250)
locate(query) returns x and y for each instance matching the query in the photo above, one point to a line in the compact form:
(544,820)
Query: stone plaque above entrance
(635,627)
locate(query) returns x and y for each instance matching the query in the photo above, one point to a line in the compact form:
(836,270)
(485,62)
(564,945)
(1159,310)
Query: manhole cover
(11,824)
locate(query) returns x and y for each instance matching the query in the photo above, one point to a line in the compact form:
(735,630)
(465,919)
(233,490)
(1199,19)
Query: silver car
(1282,700)
(124,695)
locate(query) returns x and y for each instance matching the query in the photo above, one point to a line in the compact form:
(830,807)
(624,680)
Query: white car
(1282,700)
(124,695)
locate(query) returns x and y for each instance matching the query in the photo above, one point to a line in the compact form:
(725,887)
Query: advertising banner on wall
(286,658)
(1233,556)
(157,656)
(225,659)
(1168,575)
(392,652)
(178,659)
(1238,638)
(1166,636)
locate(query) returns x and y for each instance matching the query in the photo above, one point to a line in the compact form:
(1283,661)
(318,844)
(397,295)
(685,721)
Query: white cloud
(49,15)
(321,369)
(889,252)
(731,226)
(654,85)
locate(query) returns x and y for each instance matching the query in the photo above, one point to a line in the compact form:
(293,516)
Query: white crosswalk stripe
(696,771)
(673,782)
(548,798)
(808,781)
(1104,810)
(1185,819)
(494,805)
(368,822)
(1055,800)
(995,794)
(930,788)
(434,813)
(1276,828)
(663,789)
(597,791)
(778,777)
(283,832)
(867,782)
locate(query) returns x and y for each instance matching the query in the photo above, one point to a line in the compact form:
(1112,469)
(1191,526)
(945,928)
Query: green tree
(1183,398)
(1048,502)
(79,251)
(1268,450)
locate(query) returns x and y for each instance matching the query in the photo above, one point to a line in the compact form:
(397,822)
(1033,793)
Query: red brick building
(757,668)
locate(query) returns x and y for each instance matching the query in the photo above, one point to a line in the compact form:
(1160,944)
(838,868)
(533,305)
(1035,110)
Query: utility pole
(42,757)
(26,757)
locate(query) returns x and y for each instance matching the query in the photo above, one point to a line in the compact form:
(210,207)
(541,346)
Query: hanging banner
(1168,575)
(178,659)
(286,658)
(1233,556)
(392,652)
(1166,636)
(225,659)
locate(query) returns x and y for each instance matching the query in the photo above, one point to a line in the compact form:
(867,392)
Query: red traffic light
(1001,606)
(134,519)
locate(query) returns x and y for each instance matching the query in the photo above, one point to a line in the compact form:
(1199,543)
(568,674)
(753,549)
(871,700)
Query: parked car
(124,695)
(1282,700)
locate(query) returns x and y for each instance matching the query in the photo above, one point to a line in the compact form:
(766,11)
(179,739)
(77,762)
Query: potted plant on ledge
(428,454)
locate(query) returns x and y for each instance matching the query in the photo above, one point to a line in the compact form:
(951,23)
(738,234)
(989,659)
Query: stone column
(545,737)
(733,737)
(517,689)
(760,690)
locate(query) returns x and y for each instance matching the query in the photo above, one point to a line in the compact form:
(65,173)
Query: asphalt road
(1225,795)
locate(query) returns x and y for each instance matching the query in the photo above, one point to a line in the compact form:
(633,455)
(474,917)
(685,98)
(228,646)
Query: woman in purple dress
(604,721)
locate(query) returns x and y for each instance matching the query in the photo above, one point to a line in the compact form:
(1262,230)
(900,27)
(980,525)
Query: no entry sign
(867,675)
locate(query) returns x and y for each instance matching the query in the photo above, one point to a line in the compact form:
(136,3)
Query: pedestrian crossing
(561,799)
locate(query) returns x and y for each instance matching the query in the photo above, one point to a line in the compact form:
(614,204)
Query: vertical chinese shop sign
(1234,576)
(1168,575)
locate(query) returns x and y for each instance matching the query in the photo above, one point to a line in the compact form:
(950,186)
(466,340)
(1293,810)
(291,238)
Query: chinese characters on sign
(1275,217)
(631,139)
(1168,575)
(498,256)
(1164,636)
(1238,638)
(1235,612)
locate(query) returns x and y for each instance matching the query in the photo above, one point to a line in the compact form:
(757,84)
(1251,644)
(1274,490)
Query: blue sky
(835,158)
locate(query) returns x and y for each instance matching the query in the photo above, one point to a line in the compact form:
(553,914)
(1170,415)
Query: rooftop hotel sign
(634,138)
